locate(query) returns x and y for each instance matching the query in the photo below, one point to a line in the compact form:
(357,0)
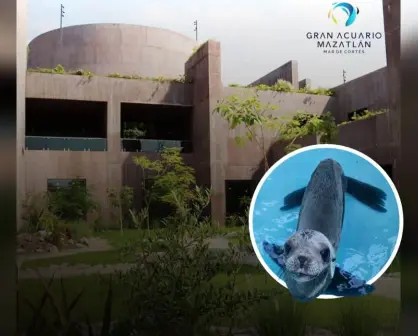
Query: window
(152,127)
(55,184)
(238,194)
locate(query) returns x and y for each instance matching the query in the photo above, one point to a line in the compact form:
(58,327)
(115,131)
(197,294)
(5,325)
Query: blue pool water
(368,237)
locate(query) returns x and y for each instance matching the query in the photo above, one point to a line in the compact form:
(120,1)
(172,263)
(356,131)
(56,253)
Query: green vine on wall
(60,70)
(196,49)
(367,114)
(285,86)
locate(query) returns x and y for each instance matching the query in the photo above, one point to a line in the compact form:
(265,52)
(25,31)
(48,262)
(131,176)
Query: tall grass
(358,320)
(279,316)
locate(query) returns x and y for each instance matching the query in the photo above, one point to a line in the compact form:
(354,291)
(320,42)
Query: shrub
(71,203)
(279,316)
(358,319)
(172,293)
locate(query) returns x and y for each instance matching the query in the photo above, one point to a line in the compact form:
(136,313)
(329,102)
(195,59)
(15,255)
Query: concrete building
(75,124)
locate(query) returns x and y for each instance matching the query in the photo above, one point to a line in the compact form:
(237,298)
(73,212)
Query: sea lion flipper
(294,199)
(346,284)
(365,193)
(275,252)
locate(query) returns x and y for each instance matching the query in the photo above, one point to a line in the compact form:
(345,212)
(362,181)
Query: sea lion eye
(287,248)
(325,254)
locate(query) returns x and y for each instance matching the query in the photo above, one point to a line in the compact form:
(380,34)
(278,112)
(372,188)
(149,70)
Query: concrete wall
(392,17)
(107,89)
(288,71)
(102,170)
(304,83)
(216,156)
(21,61)
(369,91)
(370,136)
(243,161)
(204,68)
(109,48)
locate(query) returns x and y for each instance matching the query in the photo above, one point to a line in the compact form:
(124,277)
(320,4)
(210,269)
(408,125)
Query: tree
(164,176)
(249,112)
(121,200)
(304,124)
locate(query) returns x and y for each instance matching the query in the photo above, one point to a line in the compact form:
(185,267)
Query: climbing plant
(255,117)
(248,112)
(285,86)
(304,124)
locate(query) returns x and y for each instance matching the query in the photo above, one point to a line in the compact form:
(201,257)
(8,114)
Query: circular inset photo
(326,221)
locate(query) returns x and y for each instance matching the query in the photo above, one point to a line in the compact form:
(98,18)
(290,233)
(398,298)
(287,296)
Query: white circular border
(313,147)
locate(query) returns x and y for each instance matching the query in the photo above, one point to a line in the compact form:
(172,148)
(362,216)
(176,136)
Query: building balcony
(153,145)
(65,144)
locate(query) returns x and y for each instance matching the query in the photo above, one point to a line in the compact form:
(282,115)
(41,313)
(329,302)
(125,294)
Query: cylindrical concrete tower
(113,48)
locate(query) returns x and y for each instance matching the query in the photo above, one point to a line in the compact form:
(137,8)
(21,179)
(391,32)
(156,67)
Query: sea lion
(308,258)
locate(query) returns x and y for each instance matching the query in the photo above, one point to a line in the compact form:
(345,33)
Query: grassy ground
(113,257)
(115,239)
(319,313)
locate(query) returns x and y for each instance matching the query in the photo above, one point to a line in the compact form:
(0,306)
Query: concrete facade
(21,62)
(216,156)
(305,83)
(113,48)
(392,18)
(287,71)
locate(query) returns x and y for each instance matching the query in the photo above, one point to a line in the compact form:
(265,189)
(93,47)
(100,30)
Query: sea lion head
(309,262)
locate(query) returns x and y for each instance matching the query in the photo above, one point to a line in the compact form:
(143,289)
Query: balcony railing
(153,145)
(66,143)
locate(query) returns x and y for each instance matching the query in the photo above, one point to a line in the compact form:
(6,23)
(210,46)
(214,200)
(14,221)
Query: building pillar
(204,70)
(114,155)
(21,66)
(391,14)
(288,72)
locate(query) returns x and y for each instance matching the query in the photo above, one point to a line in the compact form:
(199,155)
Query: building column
(114,157)
(21,65)
(391,14)
(204,70)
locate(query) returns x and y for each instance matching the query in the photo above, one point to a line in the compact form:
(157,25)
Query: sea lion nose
(302,260)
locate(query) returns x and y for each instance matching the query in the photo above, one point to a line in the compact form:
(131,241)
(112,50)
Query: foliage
(63,322)
(161,79)
(121,201)
(367,114)
(358,319)
(303,124)
(196,49)
(33,212)
(71,203)
(60,70)
(253,115)
(285,86)
(183,301)
(38,216)
(164,175)
(135,131)
(250,113)
(279,317)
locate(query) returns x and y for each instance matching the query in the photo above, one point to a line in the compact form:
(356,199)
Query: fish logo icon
(350,10)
